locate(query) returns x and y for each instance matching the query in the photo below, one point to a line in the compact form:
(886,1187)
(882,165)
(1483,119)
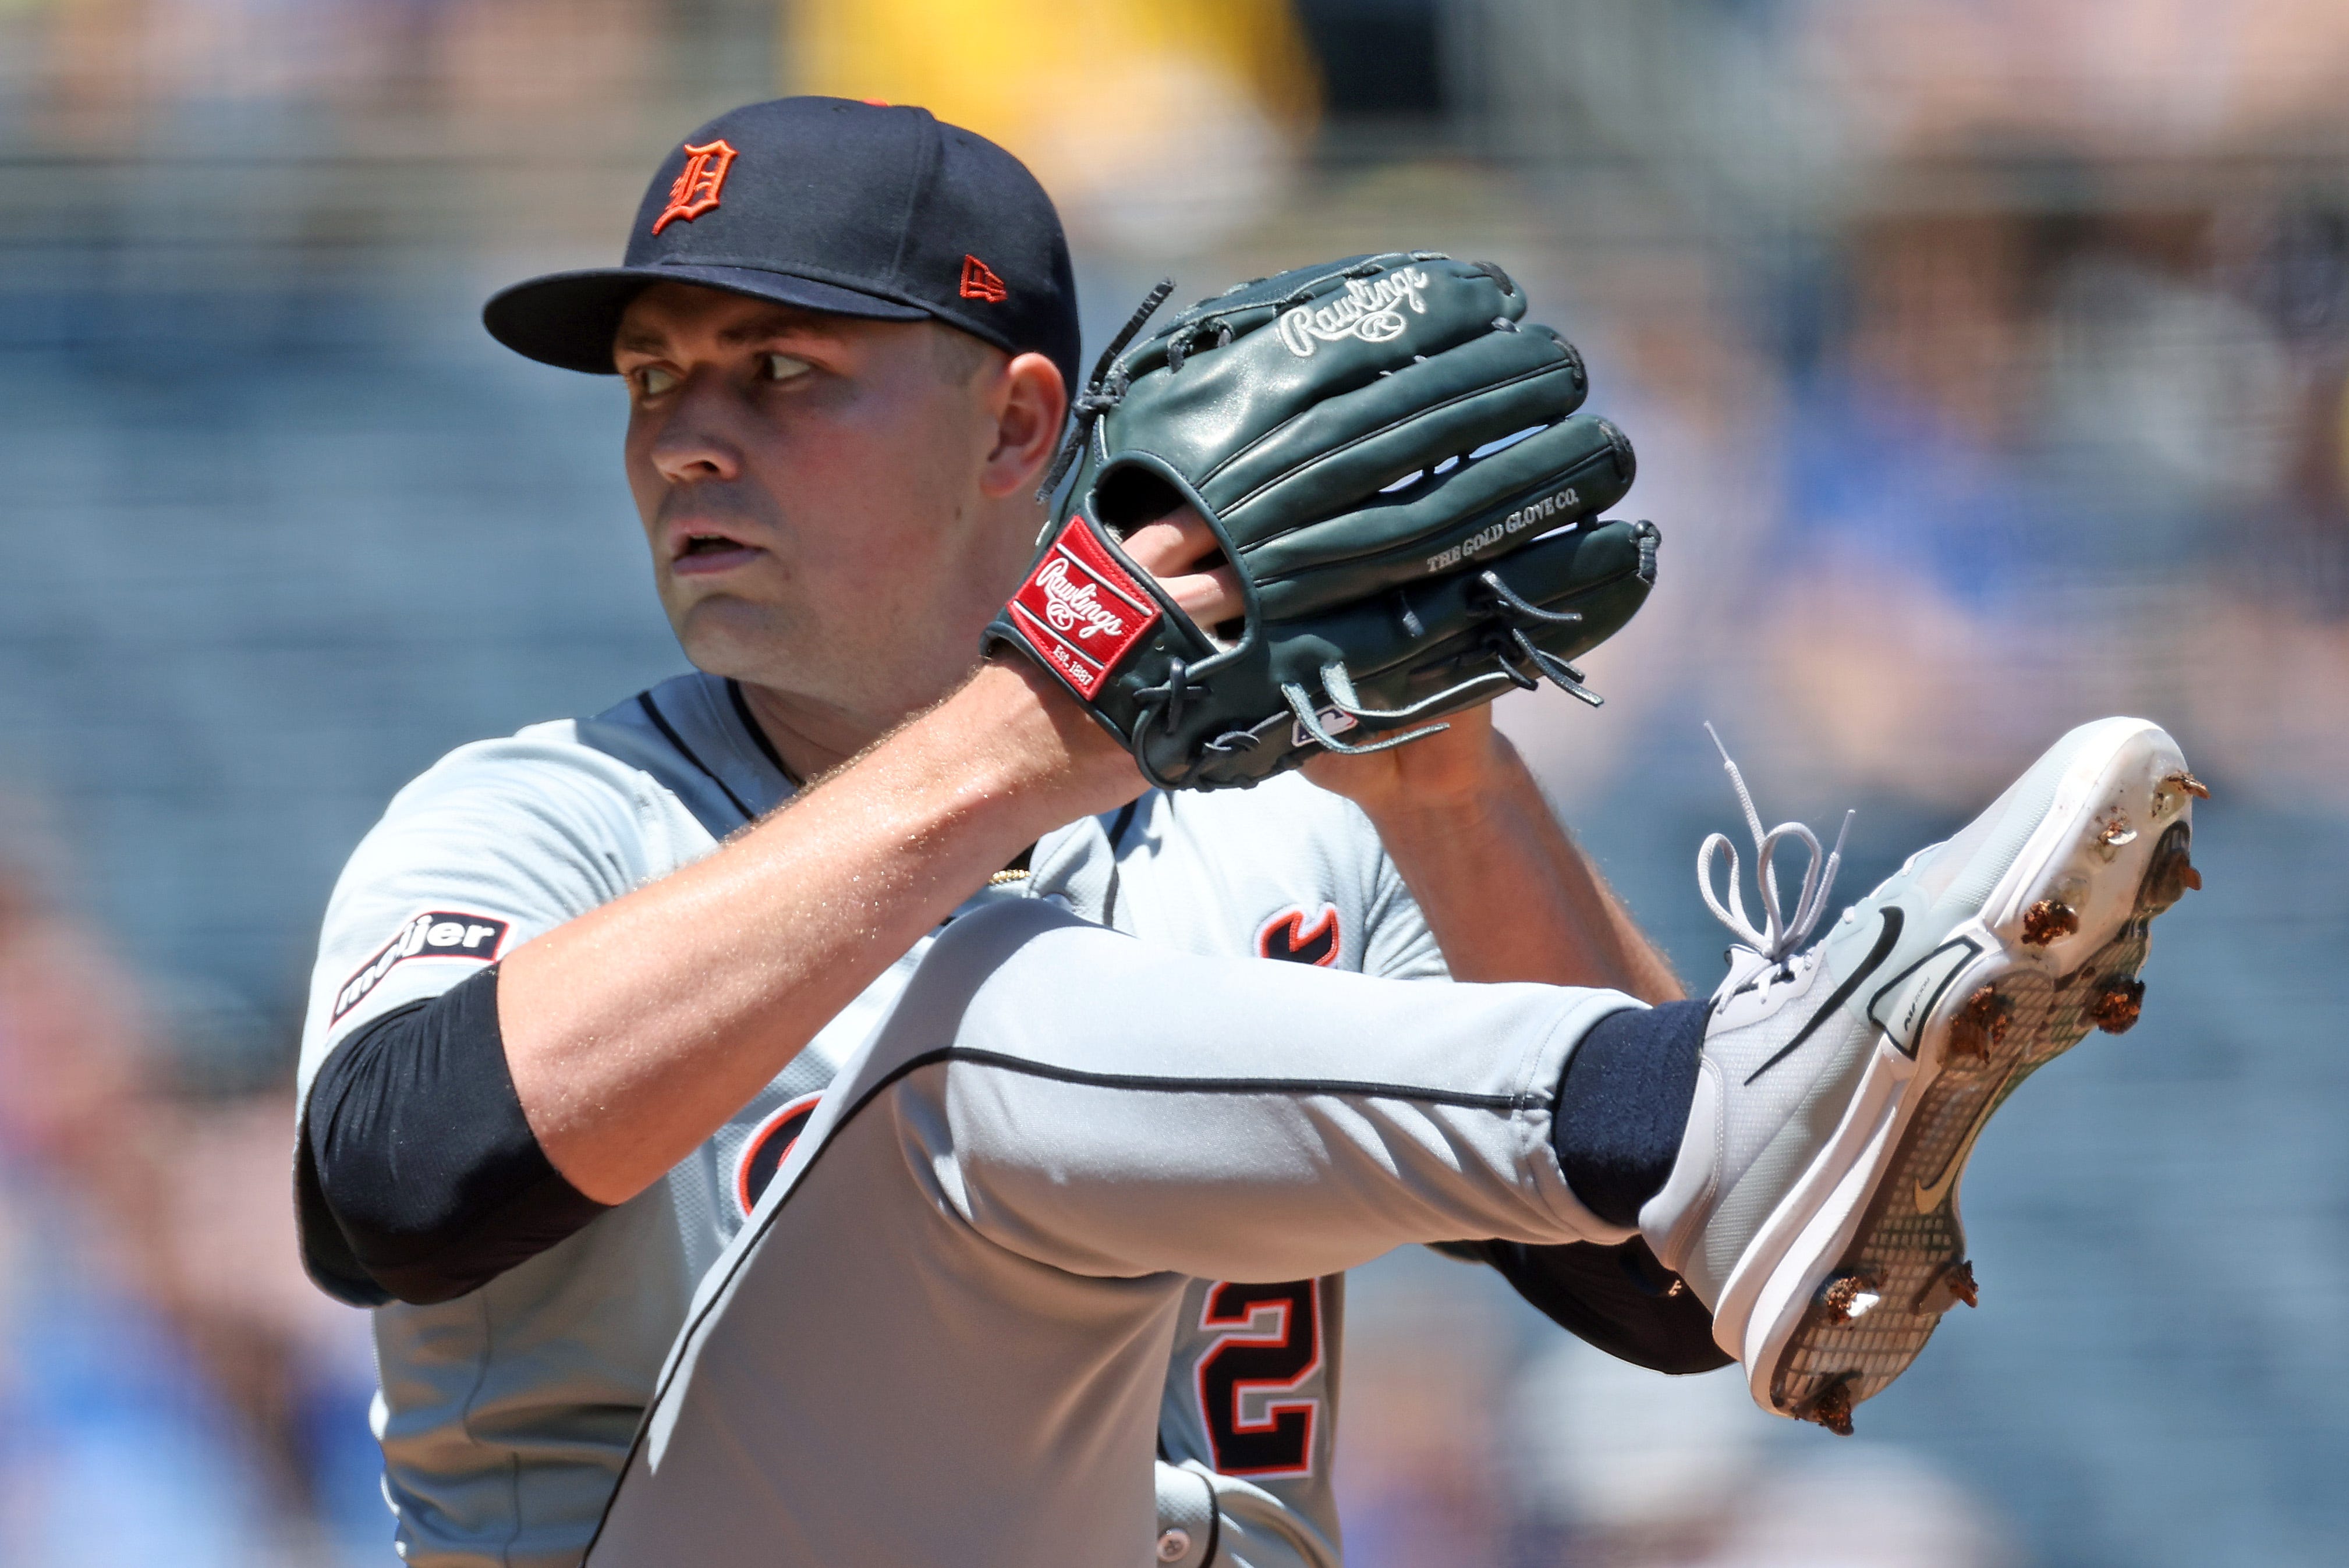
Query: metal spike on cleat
(1959,1282)
(2048,919)
(2174,791)
(1831,1408)
(1948,1286)
(1849,1298)
(1980,1026)
(2172,875)
(2115,1009)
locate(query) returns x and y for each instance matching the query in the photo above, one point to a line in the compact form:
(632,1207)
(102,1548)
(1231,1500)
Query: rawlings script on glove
(1394,468)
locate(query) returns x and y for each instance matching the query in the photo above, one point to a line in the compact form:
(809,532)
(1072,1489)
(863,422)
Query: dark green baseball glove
(1395,468)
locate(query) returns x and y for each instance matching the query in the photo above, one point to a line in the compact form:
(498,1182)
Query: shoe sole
(1850,1278)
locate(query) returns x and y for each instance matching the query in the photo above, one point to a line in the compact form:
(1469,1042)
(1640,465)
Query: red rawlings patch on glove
(1080,611)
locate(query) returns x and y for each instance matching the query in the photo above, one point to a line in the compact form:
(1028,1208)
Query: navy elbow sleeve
(416,1145)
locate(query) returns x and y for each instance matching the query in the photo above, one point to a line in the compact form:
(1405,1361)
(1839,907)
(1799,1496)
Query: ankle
(1623,1105)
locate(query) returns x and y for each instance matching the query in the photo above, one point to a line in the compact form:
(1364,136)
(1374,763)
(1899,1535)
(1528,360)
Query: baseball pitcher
(837,1106)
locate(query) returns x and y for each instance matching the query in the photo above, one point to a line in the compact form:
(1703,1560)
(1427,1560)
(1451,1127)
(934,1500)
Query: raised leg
(942,1336)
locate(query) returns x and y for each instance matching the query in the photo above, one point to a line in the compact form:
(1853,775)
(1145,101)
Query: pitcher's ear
(1031,408)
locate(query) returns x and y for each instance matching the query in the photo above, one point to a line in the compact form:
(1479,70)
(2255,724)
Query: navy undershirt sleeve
(416,1147)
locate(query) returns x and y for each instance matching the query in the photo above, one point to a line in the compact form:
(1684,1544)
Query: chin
(735,639)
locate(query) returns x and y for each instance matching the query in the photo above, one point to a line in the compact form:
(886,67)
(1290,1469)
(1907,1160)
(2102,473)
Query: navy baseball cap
(830,204)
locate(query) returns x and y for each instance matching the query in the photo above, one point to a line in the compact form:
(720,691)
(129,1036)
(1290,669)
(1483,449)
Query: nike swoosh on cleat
(1931,1193)
(1886,939)
(1911,1027)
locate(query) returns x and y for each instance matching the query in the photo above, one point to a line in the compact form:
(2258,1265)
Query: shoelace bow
(1778,937)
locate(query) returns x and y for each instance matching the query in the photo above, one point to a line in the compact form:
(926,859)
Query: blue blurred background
(1986,361)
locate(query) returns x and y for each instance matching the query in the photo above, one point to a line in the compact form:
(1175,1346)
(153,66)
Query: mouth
(699,550)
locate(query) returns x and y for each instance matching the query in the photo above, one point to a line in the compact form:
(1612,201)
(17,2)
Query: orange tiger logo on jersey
(1287,937)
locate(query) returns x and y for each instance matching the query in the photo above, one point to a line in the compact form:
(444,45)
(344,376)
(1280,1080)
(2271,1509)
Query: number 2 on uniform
(1274,1345)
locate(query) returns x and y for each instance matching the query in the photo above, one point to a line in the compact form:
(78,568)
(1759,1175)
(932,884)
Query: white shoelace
(1777,937)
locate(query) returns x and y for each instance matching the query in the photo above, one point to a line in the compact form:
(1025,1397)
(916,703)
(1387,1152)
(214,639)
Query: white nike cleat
(1814,1203)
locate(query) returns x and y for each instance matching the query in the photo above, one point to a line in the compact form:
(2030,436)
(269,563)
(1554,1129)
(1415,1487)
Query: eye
(652,381)
(784,367)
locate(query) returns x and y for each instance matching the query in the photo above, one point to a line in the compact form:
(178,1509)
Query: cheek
(916,435)
(878,485)
(861,458)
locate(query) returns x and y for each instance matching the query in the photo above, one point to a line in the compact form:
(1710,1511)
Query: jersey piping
(1197,874)
(645,701)
(645,736)
(757,735)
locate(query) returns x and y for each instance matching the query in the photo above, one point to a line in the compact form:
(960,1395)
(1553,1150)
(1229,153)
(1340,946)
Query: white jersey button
(1175,1545)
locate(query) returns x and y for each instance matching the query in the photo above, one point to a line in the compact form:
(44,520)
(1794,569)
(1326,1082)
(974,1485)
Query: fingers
(1209,598)
(1183,552)
(1173,544)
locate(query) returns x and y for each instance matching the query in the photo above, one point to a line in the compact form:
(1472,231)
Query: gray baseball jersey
(506,1415)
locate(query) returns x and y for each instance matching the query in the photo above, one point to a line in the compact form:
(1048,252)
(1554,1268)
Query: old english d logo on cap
(697,183)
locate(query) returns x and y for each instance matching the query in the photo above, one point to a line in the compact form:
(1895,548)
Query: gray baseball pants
(942,1337)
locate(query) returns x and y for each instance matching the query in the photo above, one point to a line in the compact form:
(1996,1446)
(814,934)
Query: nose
(700,441)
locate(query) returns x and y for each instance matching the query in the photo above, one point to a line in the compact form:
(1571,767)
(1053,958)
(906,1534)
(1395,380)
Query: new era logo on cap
(980,283)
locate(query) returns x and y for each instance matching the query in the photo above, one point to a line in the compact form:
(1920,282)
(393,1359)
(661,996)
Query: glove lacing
(1777,938)
(1105,391)
(1514,612)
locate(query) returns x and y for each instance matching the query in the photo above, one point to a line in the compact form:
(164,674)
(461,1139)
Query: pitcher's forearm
(1509,894)
(634,1032)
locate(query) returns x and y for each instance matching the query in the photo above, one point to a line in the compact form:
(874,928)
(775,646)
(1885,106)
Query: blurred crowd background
(1986,361)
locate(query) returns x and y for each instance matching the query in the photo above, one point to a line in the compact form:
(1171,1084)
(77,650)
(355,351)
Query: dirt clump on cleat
(2115,1009)
(1831,1408)
(2189,783)
(2048,919)
(1848,1297)
(1981,1025)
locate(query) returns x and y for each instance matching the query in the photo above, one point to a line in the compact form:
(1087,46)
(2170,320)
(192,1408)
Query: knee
(971,951)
